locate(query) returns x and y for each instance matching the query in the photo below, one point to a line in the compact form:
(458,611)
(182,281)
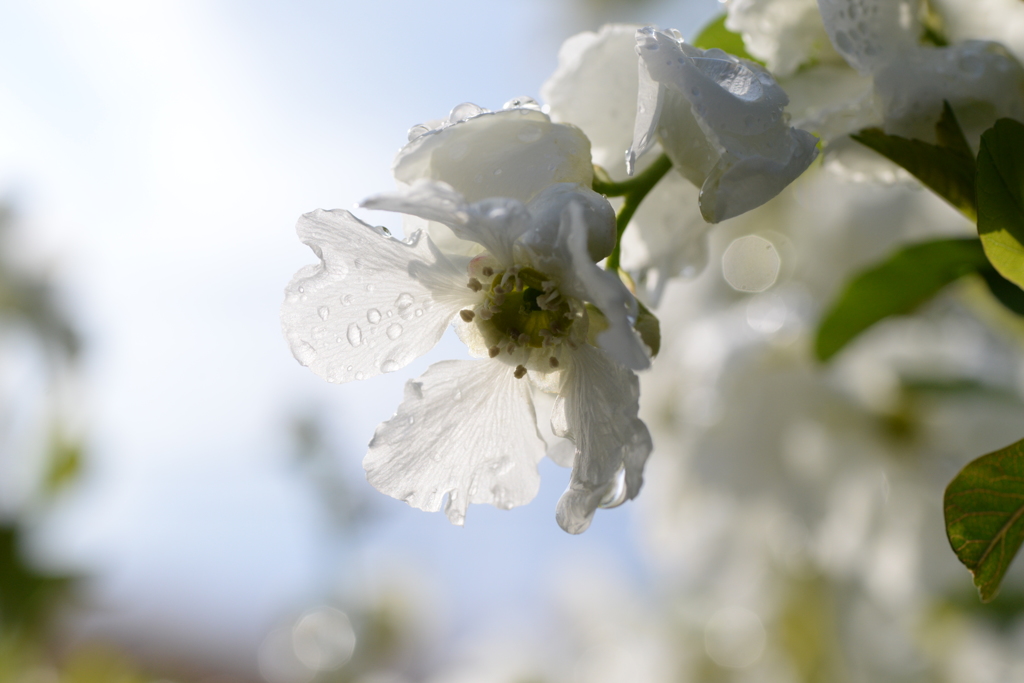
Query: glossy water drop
(301,290)
(419,312)
(458,395)
(389,366)
(360,375)
(418,131)
(355,335)
(616,492)
(303,352)
(521,103)
(394,331)
(403,301)
(323,312)
(373,315)
(369,287)
(466,110)
(346,300)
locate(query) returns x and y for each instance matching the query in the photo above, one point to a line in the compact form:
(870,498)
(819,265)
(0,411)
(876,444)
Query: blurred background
(181,502)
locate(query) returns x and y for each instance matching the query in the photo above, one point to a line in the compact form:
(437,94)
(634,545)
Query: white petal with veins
(597,408)
(465,430)
(372,304)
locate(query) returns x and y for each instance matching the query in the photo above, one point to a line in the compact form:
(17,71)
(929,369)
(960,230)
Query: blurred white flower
(531,303)
(784,34)
(721,121)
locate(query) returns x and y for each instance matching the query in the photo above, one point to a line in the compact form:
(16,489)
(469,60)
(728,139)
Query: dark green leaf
(649,328)
(26,595)
(898,285)
(717,35)
(1001,198)
(947,168)
(1008,294)
(984,508)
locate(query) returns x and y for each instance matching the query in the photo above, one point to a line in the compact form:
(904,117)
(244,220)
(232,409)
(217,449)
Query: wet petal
(372,304)
(784,34)
(494,223)
(513,153)
(597,408)
(465,430)
(869,34)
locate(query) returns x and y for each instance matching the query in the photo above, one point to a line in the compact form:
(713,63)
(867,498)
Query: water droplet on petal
(458,395)
(521,103)
(418,131)
(304,352)
(617,491)
(373,315)
(346,300)
(355,335)
(389,366)
(360,375)
(419,312)
(323,312)
(403,301)
(394,331)
(466,110)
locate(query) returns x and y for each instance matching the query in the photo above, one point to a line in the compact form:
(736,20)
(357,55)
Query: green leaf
(649,328)
(984,509)
(898,285)
(947,168)
(717,35)
(1001,198)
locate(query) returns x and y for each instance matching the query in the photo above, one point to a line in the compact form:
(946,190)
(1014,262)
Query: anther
(488,271)
(520,371)
(467,315)
(493,351)
(485,313)
(474,284)
(499,290)
(511,348)
(553,362)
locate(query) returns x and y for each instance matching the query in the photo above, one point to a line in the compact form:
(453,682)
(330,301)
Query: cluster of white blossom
(509,224)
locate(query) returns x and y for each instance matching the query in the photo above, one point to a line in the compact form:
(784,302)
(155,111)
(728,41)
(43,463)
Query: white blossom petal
(589,282)
(650,99)
(870,34)
(594,87)
(784,34)
(372,304)
(494,223)
(465,430)
(722,122)
(547,211)
(513,153)
(597,408)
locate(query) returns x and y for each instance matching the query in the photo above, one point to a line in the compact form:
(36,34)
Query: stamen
(511,348)
(486,313)
(553,362)
(488,271)
(467,315)
(493,351)
(520,372)
(523,339)
(474,284)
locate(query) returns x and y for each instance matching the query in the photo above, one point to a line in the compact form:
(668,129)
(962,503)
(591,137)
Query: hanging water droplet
(389,366)
(355,335)
(617,491)
(373,315)
(394,331)
(323,312)
(417,131)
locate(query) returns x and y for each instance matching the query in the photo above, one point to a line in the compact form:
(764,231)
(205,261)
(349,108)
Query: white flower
(721,121)
(531,303)
(784,34)
(981,80)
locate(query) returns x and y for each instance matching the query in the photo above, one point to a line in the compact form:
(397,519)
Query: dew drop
(323,312)
(355,335)
(346,300)
(349,368)
(360,375)
(303,352)
(419,312)
(403,301)
(418,131)
(389,366)
(394,331)
(373,315)
(617,491)
(458,395)
(369,287)
(466,110)
(301,290)
(521,103)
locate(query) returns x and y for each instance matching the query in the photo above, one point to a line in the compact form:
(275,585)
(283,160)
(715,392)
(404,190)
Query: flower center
(526,309)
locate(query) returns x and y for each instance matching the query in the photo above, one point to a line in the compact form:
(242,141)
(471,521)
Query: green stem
(635,191)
